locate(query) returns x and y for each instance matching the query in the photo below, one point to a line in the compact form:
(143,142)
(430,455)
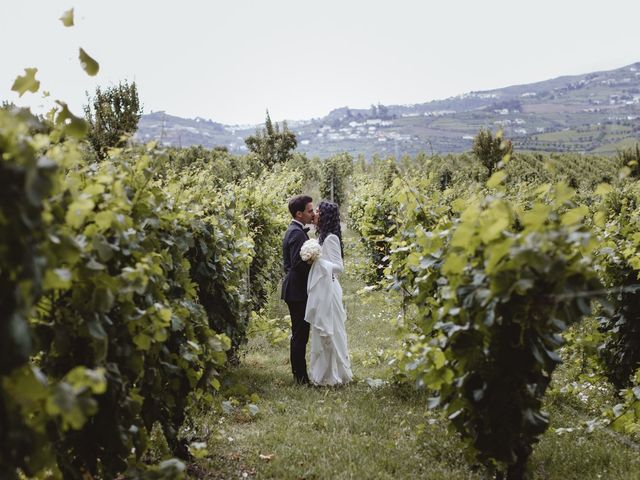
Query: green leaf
(57,279)
(26,385)
(454,263)
(73,410)
(105,252)
(603,189)
(438,358)
(496,179)
(574,215)
(73,126)
(463,236)
(67,18)
(95,327)
(624,173)
(160,335)
(493,225)
(496,252)
(78,212)
(523,285)
(103,299)
(26,83)
(600,219)
(81,379)
(537,216)
(104,219)
(563,193)
(88,64)
(93,264)
(165,315)
(142,341)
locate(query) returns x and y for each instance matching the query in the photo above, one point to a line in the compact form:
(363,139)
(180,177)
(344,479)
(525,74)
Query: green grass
(576,455)
(370,429)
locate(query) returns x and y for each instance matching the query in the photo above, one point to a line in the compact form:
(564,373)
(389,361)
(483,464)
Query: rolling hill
(596,112)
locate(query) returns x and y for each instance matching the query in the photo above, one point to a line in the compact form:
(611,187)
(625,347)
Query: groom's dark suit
(294,293)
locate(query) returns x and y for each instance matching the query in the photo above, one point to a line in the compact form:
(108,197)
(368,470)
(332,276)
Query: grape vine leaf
(78,212)
(27,82)
(88,64)
(58,278)
(74,126)
(67,18)
(603,189)
(496,179)
(574,215)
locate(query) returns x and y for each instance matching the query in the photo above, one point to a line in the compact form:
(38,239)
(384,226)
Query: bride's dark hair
(329,223)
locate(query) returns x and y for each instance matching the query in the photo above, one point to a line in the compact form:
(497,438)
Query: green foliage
(26,180)
(631,159)
(123,298)
(580,353)
(113,114)
(123,282)
(578,171)
(228,168)
(334,174)
(494,286)
(619,266)
(372,214)
(276,330)
(272,146)
(492,277)
(625,416)
(490,149)
(259,200)
(308,168)
(261,204)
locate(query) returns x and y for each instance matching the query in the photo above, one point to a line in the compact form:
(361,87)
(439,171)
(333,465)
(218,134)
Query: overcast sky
(230,60)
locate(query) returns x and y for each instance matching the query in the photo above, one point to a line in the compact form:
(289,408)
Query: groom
(294,286)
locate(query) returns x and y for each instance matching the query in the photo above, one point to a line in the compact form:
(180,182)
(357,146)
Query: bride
(330,364)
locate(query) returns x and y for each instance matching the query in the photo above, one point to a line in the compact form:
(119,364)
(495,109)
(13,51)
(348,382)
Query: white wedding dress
(330,364)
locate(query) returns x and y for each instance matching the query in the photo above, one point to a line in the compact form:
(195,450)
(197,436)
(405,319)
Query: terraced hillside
(592,113)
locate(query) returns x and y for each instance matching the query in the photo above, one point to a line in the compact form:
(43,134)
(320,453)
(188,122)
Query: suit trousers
(299,339)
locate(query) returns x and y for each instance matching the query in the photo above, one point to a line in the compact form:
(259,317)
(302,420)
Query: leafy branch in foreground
(106,278)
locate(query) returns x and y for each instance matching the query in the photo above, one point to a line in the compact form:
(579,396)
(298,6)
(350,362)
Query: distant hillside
(592,113)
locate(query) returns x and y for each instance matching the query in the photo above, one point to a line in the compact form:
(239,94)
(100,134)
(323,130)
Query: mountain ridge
(596,112)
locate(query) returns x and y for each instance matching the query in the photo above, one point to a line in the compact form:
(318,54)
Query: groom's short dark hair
(298,204)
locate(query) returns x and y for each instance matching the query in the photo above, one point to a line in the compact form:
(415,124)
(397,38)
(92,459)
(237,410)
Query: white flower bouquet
(310,250)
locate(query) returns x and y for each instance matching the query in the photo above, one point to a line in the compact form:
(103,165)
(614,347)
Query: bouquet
(310,250)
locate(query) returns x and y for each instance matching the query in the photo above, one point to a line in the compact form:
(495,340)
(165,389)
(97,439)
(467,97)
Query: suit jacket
(296,270)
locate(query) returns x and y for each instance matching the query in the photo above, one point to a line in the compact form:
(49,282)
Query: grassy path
(370,429)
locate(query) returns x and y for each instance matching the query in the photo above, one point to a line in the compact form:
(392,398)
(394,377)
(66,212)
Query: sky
(231,60)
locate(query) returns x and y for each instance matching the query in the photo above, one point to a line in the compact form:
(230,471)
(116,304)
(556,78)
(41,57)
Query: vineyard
(496,273)
(130,285)
(493,300)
